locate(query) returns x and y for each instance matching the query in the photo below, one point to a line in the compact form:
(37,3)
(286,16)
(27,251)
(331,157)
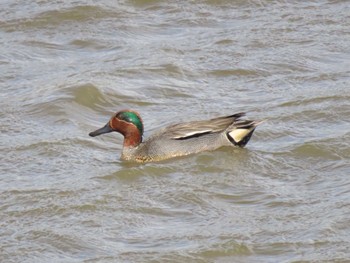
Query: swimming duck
(178,139)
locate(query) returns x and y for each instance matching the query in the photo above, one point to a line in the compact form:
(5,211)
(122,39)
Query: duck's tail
(241,131)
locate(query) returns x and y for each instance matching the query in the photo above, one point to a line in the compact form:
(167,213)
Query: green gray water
(66,67)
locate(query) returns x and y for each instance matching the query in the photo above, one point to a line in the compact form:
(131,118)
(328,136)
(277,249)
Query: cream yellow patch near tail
(239,134)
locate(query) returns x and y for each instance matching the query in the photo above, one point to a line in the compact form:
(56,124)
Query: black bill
(104,129)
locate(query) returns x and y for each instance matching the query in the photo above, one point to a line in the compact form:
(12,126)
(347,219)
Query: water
(66,67)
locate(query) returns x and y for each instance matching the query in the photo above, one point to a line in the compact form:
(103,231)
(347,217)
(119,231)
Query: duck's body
(178,139)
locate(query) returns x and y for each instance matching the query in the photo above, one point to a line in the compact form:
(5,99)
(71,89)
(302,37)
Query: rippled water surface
(66,66)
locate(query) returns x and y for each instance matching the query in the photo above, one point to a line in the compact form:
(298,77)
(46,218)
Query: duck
(178,139)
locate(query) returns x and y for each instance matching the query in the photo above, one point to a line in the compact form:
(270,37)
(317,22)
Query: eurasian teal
(178,139)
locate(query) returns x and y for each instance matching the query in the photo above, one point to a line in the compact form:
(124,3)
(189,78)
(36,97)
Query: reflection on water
(69,198)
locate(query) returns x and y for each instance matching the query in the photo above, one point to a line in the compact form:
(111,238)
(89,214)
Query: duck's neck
(132,139)
(132,135)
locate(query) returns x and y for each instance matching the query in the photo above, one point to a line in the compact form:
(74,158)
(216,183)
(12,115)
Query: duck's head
(126,122)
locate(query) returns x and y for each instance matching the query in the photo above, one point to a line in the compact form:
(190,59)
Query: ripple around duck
(316,151)
(80,102)
(225,248)
(43,204)
(322,100)
(233,72)
(52,18)
(131,171)
(89,96)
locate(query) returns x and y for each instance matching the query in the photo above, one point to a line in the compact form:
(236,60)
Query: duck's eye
(118,116)
(124,116)
(130,117)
